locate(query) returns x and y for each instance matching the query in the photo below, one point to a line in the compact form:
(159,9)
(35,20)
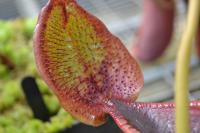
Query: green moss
(6,31)
(61,121)
(54,106)
(4,121)
(33,126)
(43,86)
(4,71)
(12,129)
(29,26)
(15,115)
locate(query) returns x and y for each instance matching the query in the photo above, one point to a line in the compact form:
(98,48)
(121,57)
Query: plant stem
(182,68)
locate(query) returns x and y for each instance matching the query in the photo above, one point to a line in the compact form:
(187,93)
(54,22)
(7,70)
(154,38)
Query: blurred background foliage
(17,62)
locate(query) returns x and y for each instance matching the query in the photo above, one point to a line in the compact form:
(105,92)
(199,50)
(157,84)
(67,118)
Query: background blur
(122,17)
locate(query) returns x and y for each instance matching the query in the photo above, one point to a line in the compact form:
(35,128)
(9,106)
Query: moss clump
(15,115)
